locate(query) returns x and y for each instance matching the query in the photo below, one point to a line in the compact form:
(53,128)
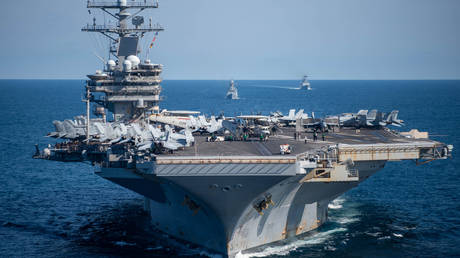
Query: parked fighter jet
(257,119)
(173,141)
(316,124)
(364,118)
(292,117)
(186,120)
(392,119)
(155,139)
(141,135)
(72,129)
(232,128)
(202,125)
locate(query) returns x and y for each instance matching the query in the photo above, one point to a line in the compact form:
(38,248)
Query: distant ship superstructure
(228,184)
(232,92)
(305,85)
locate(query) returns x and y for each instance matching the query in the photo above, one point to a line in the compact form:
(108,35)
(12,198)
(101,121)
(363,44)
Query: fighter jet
(292,117)
(172,140)
(68,129)
(392,119)
(202,125)
(364,118)
(232,127)
(316,124)
(143,136)
(257,119)
(155,139)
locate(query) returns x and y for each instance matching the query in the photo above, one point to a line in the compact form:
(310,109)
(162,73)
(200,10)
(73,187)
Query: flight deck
(271,146)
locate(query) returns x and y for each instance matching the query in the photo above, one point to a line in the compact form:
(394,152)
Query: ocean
(51,209)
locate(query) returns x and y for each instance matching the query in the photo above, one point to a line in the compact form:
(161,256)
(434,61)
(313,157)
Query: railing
(353,173)
(138,83)
(426,150)
(225,160)
(117,29)
(327,156)
(126,4)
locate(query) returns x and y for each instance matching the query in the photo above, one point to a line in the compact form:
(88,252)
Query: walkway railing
(119,4)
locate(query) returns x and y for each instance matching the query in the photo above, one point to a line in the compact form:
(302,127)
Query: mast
(131,86)
(122,29)
(88,106)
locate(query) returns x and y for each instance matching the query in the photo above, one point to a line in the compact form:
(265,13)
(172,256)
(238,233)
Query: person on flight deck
(315,136)
(323,136)
(261,137)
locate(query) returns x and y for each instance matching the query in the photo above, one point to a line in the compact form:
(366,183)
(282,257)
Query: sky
(246,39)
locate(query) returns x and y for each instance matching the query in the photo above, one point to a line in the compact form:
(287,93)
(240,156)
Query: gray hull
(218,212)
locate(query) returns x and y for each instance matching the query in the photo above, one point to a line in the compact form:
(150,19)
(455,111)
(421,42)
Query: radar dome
(127,65)
(111,65)
(122,2)
(135,61)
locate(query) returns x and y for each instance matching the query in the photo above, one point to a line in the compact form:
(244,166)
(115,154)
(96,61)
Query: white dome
(147,61)
(135,61)
(127,65)
(122,2)
(111,65)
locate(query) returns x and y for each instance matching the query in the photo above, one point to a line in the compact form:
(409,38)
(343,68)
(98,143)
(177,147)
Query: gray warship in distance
(305,85)
(227,184)
(232,92)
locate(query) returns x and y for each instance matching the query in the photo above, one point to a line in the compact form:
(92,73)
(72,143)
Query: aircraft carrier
(225,183)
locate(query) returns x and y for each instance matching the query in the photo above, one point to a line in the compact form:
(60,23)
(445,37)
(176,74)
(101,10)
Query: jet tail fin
(299,114)
(291,114)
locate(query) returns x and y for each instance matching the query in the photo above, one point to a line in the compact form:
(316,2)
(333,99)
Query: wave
(275,87)
(287,248)
(123,243)
(346,220)
(198,252)
(336,204)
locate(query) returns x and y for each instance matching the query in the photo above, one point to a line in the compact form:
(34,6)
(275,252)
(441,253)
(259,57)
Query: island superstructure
(131,87)
(229,184)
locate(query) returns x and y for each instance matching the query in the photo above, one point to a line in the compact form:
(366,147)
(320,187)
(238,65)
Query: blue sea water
(51,209)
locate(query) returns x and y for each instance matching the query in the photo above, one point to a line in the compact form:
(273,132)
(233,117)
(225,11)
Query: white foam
(346,220)
(318,238)
(397,235)
(123,243)
(154,248)
(199,252)
(376,234)
(205,253)
(336,204)
(275,87)
(330,248)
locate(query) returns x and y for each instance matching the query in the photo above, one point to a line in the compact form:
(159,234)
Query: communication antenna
(137,21)
(99,57)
